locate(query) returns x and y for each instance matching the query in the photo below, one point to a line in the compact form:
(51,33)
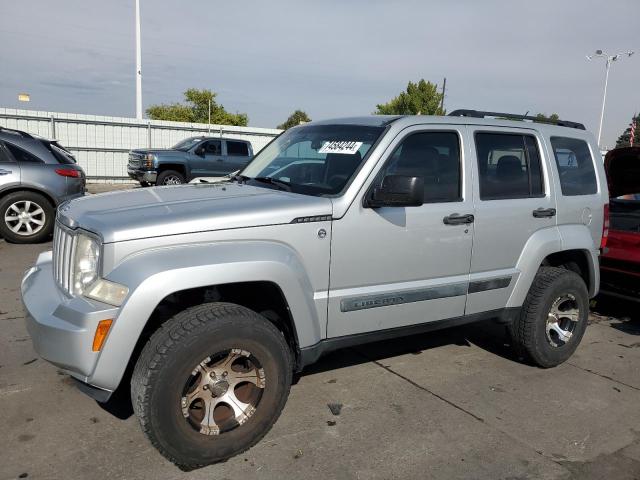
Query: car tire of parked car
(553,318)
(170,177)
(180,393)
(26,217)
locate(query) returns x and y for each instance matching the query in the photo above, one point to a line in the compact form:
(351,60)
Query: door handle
(5,172)
(455,219)
(544,212)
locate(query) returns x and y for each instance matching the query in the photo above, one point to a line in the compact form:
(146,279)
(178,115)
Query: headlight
(149,159)
(86,262)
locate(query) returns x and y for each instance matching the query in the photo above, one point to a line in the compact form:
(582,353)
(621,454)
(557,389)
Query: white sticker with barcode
(349,148)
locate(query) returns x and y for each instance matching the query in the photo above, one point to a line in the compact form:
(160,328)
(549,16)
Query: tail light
(605,227)
(68,172)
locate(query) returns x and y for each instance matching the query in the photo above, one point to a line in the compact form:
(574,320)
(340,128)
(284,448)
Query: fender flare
(152,275)
(546,242)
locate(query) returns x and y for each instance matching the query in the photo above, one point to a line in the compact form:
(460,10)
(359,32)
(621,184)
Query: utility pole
(444,89)
(609,60)
(138,65)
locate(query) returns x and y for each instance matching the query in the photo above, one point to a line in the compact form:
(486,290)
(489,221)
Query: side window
(237,149)
(575,166)
(4,157)
(509,166)
(213,147)
(22,156)
(434,156)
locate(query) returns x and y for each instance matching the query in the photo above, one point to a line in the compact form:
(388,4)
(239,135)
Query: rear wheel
(210,383)
(26,217)
(553,318)
(170,177)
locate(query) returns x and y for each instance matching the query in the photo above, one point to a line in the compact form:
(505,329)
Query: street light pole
(138,65)
(609,60)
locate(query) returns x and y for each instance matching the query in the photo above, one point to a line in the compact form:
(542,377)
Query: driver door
(400,266)
(209,161)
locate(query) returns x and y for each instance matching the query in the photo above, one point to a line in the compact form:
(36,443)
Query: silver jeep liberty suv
(201,301)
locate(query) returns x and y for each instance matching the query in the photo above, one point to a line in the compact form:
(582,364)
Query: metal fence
(101,144)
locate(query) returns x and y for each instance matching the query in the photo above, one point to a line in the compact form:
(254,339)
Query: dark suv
(36,175)
(188,159)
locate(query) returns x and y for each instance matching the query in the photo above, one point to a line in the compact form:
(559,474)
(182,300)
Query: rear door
(9,169)
(514,198)
(237,155)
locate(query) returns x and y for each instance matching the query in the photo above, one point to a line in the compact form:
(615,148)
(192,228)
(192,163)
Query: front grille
(64,245)
(134,159)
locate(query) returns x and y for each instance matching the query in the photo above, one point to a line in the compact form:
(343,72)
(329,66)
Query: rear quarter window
(575,166)
(21,155)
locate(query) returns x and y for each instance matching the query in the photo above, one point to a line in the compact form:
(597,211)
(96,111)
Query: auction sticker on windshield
(349,148)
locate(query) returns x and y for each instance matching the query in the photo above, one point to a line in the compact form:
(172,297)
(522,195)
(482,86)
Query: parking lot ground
(453,404)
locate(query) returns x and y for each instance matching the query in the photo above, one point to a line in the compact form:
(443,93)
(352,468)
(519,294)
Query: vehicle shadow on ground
(489,336)
(626,313)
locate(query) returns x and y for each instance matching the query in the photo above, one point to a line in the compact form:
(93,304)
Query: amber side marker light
(101,333)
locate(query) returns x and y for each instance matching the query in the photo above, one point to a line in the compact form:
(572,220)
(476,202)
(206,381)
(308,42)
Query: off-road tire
(167,360)
(37,199)
(528,331)
(165,175)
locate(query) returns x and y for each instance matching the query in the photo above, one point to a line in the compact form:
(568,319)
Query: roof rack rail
(24,134)
(513,116)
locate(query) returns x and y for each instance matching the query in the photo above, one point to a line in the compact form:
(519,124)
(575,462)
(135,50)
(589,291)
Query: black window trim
(530,133)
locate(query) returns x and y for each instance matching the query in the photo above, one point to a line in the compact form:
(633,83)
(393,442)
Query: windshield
(313,159)
(186,144)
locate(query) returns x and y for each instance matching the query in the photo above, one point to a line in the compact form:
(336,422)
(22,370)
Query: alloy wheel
(222,392)
(562,319)
(25,217)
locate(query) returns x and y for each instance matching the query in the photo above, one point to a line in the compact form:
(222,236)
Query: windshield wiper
(286,186)
(238,178)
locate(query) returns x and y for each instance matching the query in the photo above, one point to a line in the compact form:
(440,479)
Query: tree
(196,110)
(624,139)
(542,117)
(420,98)
(296,118)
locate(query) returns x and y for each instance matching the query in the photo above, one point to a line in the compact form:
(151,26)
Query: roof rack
(20,132)
(513,116)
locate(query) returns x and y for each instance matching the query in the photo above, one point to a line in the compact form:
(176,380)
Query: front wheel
(553,317)
(170,177)
(210,383)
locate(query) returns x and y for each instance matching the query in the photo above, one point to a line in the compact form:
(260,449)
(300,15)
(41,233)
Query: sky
(330,58)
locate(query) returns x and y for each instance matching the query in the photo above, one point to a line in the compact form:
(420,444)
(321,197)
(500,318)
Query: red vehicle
(620,262)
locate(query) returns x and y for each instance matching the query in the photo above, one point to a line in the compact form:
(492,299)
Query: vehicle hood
(160,151)
(173,210)
(623,171)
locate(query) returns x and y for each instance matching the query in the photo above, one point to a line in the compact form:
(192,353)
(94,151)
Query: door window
(237,149)
(21,155)
(434,156)
(213,147)
(509,166)
(575,166)
(4,157)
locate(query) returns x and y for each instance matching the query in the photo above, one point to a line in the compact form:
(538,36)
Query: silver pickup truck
(203,300)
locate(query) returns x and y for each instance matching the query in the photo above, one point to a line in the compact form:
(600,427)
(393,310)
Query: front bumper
(148,176)
(62,328)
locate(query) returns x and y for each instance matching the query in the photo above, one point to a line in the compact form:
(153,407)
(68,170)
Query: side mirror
(397,191)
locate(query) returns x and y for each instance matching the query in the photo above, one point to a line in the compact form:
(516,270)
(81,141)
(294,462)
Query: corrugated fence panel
(101,144)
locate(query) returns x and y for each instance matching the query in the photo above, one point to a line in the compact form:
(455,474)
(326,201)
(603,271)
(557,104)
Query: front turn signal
(101,334)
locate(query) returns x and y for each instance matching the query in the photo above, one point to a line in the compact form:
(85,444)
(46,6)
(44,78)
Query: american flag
(633,131)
